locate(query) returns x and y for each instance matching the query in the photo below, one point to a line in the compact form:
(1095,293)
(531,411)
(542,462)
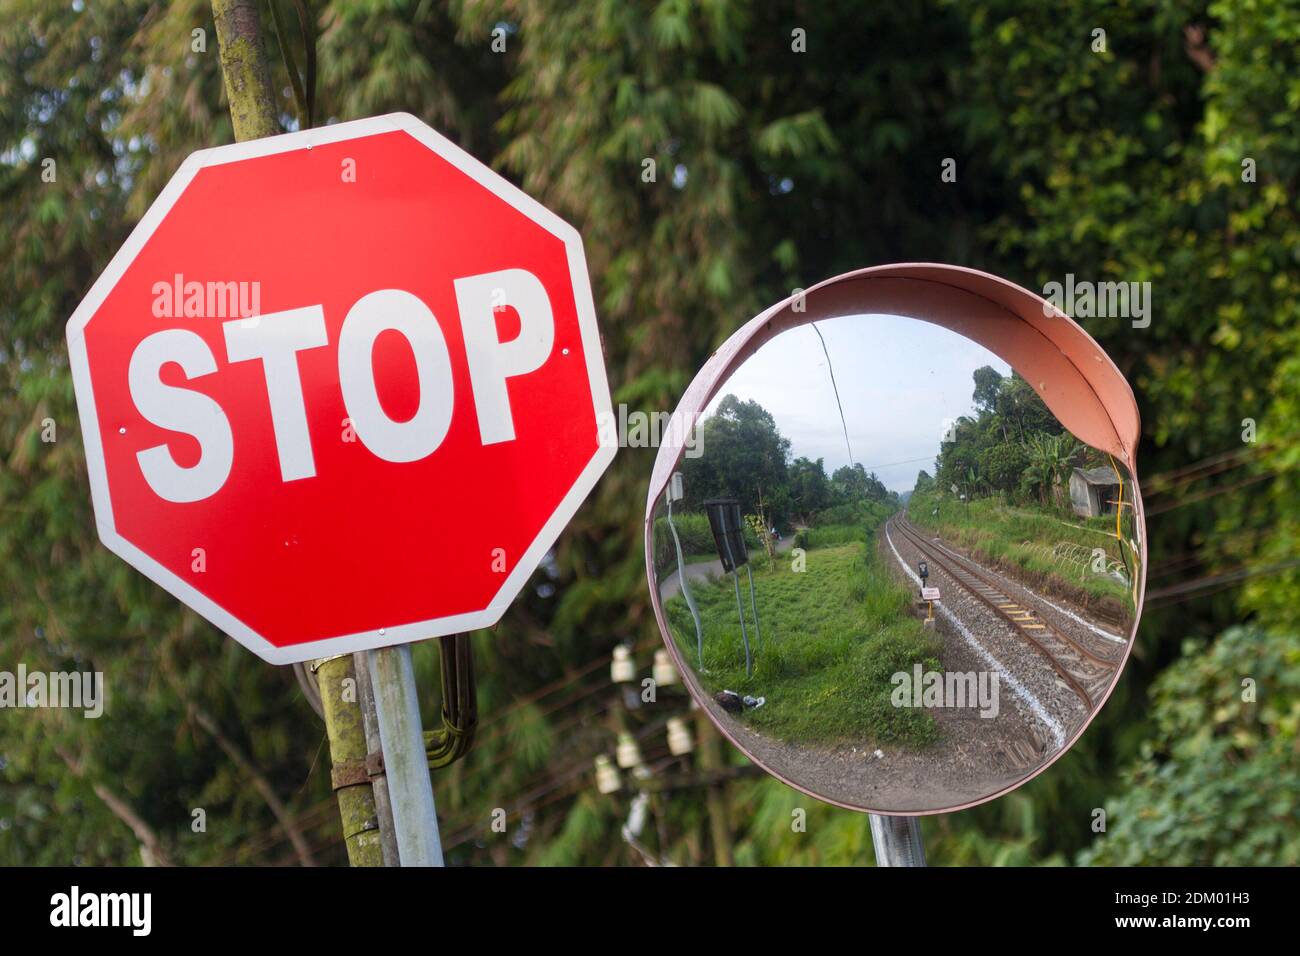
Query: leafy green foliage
(773,170)
(743,456)
(1014,445)
(1216,781)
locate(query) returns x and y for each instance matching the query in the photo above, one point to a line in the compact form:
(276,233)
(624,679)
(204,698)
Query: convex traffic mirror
(901,559)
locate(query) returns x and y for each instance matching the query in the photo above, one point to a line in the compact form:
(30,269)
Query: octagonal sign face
(341,389)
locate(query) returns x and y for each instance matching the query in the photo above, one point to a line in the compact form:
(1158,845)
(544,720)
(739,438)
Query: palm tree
(1050,459)
(972,483)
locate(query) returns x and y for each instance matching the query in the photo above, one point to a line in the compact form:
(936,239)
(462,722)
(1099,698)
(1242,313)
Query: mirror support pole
(753,606)
(406,764)
(897,840)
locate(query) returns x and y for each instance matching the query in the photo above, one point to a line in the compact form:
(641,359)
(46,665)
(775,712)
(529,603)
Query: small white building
(1093,491)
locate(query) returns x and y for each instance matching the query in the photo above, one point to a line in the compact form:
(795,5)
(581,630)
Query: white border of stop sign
(381,636)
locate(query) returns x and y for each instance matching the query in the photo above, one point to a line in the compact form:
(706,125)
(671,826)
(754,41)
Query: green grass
(832,638)
(1021,536)
(825,536)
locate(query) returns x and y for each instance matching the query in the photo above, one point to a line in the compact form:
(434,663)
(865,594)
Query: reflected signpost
(729,538)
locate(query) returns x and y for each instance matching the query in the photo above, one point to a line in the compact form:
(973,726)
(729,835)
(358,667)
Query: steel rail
(959,572)
(969,566)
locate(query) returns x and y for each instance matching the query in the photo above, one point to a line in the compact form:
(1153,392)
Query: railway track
(1085,673)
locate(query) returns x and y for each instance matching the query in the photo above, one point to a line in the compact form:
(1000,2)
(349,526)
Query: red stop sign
(341,389)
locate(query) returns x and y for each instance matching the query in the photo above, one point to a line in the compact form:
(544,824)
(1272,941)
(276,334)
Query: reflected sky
(900,380)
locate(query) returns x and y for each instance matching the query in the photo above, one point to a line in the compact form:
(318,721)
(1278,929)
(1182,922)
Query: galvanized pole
(410,790)
(744,635)
(378,778)
(897,840)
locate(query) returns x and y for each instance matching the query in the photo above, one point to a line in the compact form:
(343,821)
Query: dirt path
(670,586)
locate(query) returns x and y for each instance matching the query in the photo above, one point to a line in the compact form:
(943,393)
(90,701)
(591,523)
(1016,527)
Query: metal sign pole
(897,840)
(753,606)
(378,781)
(406,765)
(744,634)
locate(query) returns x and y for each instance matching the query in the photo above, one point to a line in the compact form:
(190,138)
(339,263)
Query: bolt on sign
(341,389)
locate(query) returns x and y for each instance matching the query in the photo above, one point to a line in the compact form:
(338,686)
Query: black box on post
(728,532)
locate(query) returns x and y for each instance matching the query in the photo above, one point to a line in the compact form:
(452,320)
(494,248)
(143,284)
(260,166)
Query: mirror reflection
(888,571)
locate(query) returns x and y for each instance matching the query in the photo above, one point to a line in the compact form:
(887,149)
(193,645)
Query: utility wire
(831,368)
(1224,461)
(1156,597)
(1211,493)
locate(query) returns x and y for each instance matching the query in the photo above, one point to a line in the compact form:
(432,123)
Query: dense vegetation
(1171,156)
(1001,493)
(1013,447)
(743,455)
